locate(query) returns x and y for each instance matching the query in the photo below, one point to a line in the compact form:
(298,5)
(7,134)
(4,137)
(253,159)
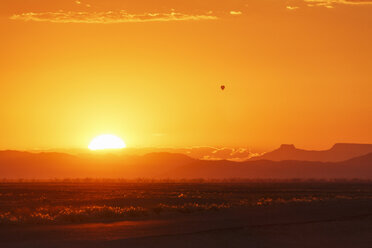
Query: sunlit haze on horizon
(150,72)
(174,123)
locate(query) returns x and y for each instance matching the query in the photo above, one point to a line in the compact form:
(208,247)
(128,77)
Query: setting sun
(106,141)
(172,123)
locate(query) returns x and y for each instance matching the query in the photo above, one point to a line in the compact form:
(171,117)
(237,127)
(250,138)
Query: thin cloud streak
(327,3)
(292,7)
(235,12)
(107,17)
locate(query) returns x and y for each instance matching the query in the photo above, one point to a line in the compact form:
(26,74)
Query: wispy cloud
(235,154)
(330,3)
(292,7)
(235,12)
(204,152)
(107,17)
(81,3)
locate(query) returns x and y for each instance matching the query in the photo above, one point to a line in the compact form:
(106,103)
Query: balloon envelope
(223,87)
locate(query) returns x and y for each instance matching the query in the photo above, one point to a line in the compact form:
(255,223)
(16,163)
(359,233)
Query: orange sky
(149,71)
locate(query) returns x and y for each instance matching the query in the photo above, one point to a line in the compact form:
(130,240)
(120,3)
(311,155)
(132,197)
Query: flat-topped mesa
(347,147)
(339,152)
(287,147)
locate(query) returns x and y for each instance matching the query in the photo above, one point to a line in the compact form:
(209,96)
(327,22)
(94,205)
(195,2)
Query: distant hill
(14,164)
(339,152)
(360,167)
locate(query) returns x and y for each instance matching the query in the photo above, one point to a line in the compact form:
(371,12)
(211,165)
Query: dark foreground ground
(311,214)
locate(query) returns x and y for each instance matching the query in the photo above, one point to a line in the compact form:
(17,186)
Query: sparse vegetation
(86,200)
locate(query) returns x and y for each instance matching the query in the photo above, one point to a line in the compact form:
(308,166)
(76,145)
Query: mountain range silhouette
(341,161)
(338,152)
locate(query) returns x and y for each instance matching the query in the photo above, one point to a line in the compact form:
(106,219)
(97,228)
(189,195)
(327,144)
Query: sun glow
(106,141)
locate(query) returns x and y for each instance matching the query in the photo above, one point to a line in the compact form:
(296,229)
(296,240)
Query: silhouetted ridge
(166,156)
(365,160)
(339,152)
(15,164)
(347,147)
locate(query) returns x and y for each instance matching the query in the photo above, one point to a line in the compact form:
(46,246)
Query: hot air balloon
(223,87)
